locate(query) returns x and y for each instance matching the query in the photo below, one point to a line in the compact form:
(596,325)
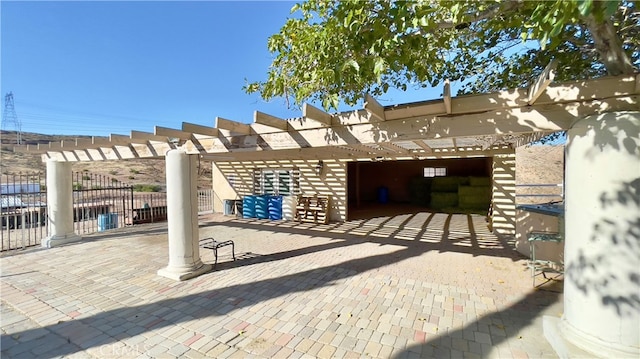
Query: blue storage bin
(383,194)
(275,208)
(262,207)
(249,207)
(107,221)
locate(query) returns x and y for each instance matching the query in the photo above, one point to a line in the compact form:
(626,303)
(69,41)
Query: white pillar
(59,204)
(182,215)
(602,240)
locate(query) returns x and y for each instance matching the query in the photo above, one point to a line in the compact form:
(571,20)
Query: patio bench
(210,243)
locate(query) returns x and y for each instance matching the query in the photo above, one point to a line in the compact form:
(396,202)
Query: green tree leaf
(333,51)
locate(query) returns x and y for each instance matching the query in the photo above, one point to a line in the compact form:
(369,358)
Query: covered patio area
(412,285)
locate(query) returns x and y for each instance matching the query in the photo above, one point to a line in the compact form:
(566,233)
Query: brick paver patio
(386,287)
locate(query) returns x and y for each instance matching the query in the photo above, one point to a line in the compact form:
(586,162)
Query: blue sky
(94,68)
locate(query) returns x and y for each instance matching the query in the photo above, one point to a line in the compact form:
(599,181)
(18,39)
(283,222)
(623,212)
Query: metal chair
(210,243)
(544,266)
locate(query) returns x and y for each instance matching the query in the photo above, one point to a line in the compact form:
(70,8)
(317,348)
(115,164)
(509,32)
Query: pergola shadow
(156,315)
(222,301)
(395,230)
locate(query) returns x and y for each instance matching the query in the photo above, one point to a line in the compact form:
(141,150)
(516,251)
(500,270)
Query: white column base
(54,241)
(569,342)
(180,274)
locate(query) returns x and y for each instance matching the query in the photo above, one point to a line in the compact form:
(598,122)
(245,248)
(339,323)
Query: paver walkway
(374,288)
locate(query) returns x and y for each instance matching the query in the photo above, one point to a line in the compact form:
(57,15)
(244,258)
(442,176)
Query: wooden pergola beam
(172,133)
(374,107)
(233,126)
(505,113)
(490,142)
(270,121)
(316,114)
(433,107)
(423,145)
(147,136)
(541,83)
(122,140)
(546,118)
(393,147)
(200,130)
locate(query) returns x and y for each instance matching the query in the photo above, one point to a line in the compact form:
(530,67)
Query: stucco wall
(233,180)
(526,222)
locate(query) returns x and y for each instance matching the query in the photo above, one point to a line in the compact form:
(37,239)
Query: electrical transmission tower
(9,116)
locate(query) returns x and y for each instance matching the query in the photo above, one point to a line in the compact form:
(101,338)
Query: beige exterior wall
(233,180)
(527,221)
(503,219)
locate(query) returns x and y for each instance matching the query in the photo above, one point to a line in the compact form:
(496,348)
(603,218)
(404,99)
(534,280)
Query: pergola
(602,113)
(451,126)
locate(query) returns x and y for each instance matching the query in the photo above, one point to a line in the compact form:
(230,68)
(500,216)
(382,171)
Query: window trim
(259,180)
(430,172)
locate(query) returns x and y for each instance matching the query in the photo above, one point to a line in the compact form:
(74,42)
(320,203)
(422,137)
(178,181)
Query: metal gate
(100,203)
(24,210)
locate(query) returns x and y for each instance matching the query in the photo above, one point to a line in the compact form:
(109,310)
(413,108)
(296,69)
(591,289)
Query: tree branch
(609,47)
(494,11)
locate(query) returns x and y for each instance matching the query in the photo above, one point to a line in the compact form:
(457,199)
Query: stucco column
(182,215)
(602,240)
(59,204)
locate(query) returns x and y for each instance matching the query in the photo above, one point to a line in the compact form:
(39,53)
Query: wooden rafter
(488,116)
(394,148)
(171,133)
(374,108)
(233,126)
(200,130)
(423,145)
(363,149)
(541,83)
(147,136)
(369,150)
(119,140)
(316,114)
(433,107)
(490,141)
(271,121)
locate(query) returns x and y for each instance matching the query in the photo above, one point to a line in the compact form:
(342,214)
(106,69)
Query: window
(279,182)
(435,171)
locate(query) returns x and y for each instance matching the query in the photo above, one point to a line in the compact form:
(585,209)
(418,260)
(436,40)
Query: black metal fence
(100,203)
(23,210)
